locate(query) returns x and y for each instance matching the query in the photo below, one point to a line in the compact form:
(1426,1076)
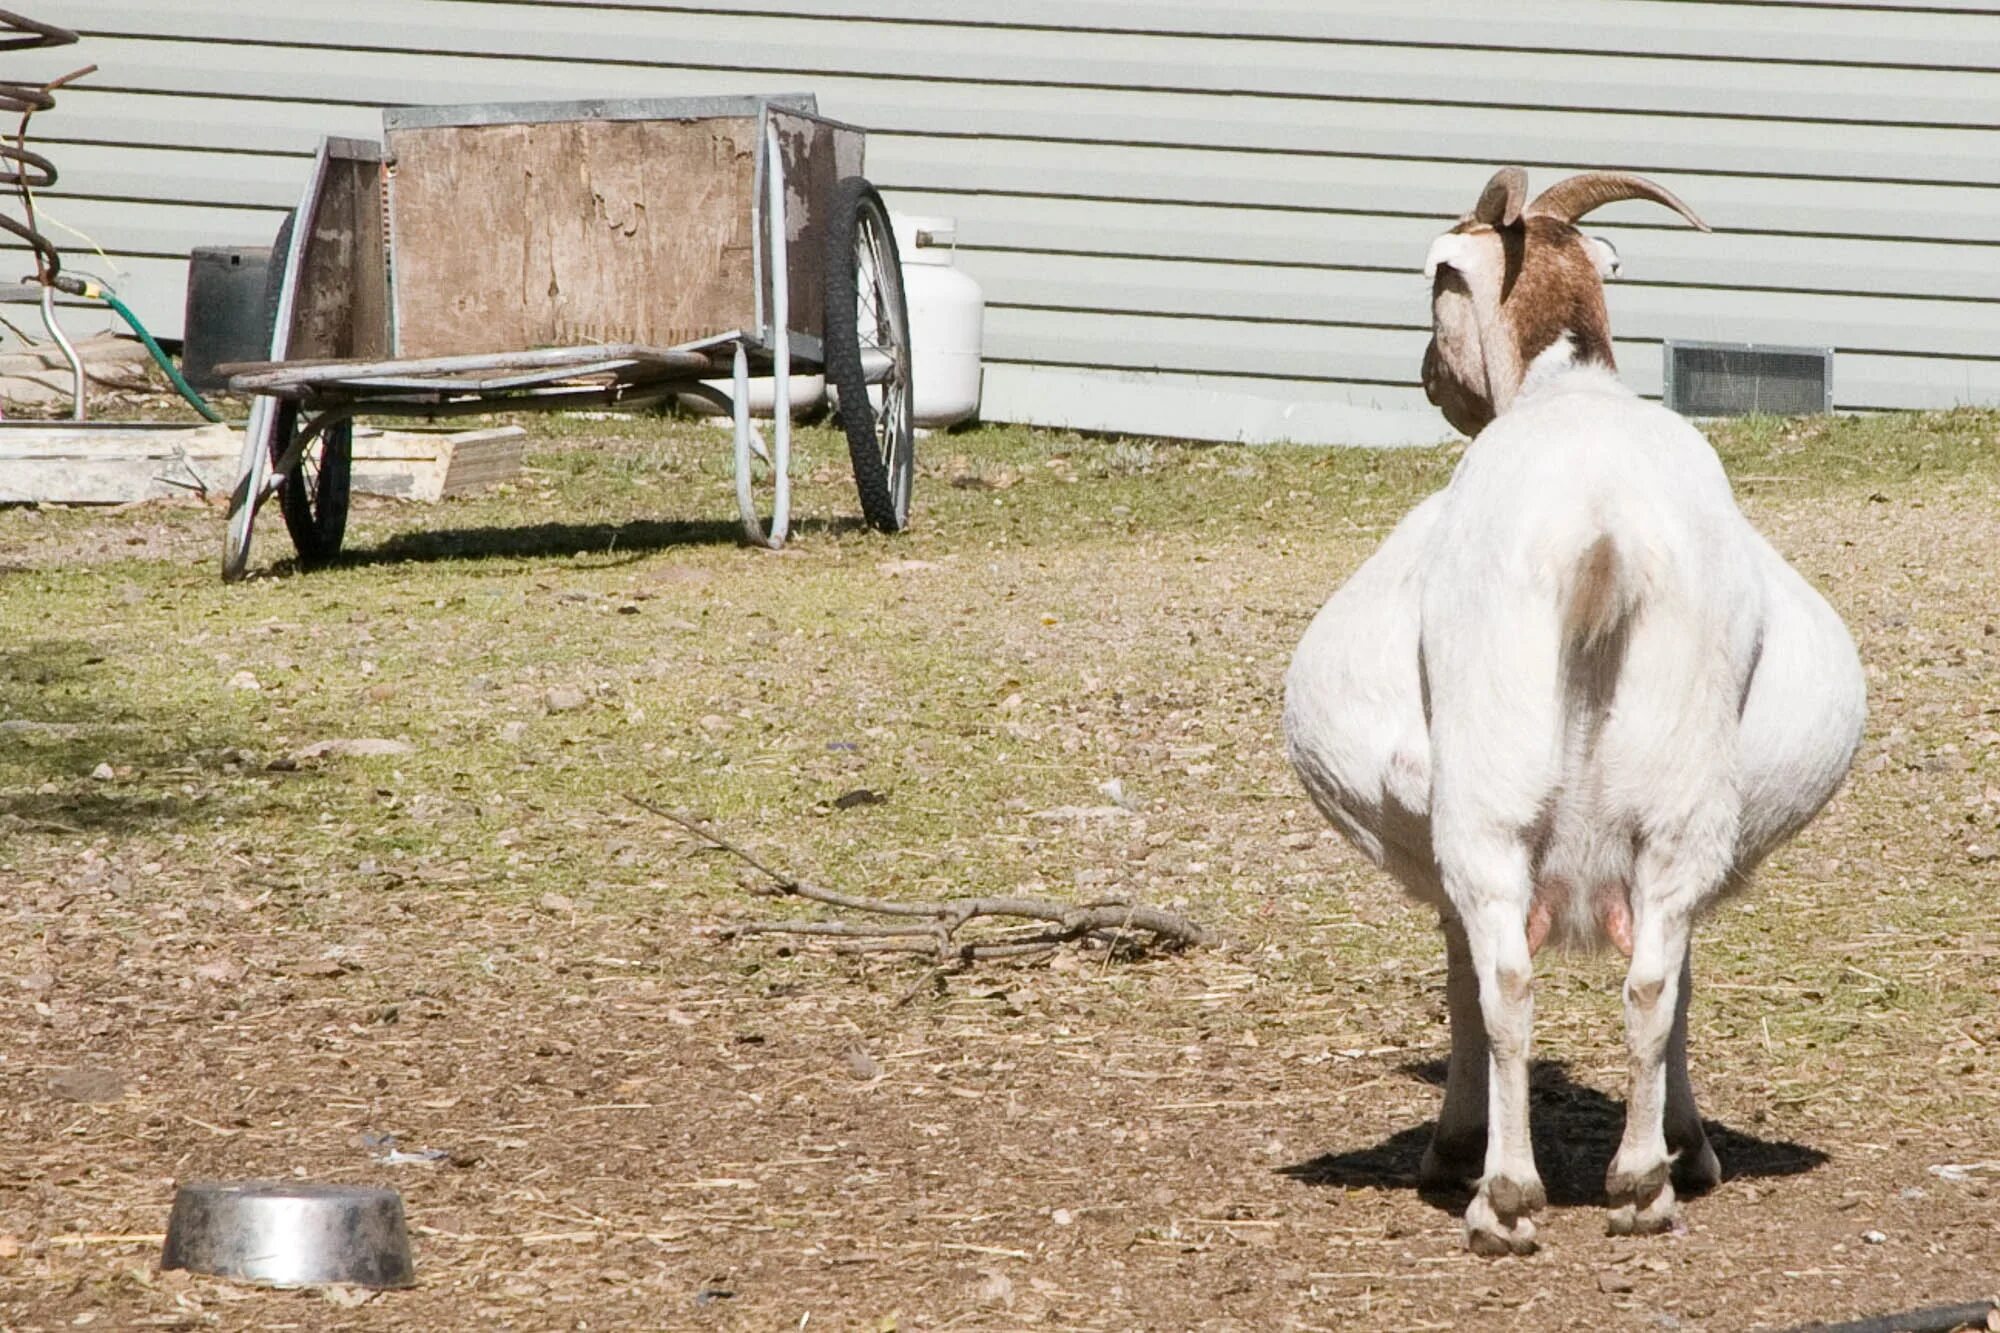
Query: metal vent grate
(1738,379)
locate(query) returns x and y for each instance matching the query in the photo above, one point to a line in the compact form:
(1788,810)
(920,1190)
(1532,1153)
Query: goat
(1574,694)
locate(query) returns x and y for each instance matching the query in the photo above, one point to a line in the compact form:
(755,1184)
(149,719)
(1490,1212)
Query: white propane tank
(807,391)
(947,310)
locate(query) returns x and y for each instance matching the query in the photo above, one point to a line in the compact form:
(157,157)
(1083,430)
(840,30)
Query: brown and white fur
(1573,695)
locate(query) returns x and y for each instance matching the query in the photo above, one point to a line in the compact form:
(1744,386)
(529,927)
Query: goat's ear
(1454,249)
(1604,255)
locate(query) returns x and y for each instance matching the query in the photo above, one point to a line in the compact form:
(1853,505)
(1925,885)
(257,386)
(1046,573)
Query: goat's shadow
(1576,1130)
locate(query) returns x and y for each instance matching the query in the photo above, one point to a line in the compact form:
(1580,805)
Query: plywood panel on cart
(341,306)
(509,237)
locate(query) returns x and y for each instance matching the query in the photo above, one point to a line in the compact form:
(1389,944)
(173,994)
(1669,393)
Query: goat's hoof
(1453,1163)
(1497,1222)
(1642,1202)
(1696,1169)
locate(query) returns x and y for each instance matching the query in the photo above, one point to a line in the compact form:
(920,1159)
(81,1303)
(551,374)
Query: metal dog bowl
(290,1234)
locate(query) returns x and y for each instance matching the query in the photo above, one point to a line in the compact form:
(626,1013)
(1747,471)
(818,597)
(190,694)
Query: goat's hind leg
(1456,1155)
(1639,1184)
(1696,1169)
(1493,906)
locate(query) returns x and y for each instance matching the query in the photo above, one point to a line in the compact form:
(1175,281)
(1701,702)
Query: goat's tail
(1599,598)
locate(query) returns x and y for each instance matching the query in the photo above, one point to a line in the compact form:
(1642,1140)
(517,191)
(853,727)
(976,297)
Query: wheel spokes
(876,321)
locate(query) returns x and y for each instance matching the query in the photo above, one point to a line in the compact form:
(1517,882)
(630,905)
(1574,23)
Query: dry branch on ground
(934,925)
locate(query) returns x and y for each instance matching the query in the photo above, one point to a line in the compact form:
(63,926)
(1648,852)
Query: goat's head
(1510,282)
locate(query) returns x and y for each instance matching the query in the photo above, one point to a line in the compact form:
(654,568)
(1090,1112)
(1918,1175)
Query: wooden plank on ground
(434,465)
(120,463)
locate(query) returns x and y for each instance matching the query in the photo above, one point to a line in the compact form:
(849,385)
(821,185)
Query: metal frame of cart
(547,256)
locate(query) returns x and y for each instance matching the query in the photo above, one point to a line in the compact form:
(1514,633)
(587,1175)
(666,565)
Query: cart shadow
(613,541)
(1575,1129)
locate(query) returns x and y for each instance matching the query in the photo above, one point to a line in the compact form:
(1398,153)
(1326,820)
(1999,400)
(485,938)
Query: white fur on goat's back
(1604,725)
(1579,457)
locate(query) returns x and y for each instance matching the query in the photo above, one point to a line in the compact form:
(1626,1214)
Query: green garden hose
(91,288)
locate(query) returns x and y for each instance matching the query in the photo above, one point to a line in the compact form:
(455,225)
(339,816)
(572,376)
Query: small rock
(1081,813)
(859,796)
(1613,1283)
(994,1289)
(349,1297)
(565,699)
(1062,1217)
(1873,1237)
(103,773)
(88,1084)
(244,680)
(558,903)
(357,747)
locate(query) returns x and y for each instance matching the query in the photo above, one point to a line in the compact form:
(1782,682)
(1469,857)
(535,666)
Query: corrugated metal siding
(1193,218)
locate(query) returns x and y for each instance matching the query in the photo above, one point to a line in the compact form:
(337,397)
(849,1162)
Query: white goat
(1574,692)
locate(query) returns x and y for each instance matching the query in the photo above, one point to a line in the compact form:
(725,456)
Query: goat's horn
(1500,202)
(1572,198)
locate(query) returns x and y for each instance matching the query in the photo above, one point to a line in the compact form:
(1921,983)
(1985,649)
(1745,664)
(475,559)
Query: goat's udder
(1540,918)
(1614,913)
(1608,903)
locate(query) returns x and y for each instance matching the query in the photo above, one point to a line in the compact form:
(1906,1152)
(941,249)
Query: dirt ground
(222,961)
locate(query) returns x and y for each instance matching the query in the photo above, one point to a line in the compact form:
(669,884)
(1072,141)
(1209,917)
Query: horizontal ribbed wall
(1198,219)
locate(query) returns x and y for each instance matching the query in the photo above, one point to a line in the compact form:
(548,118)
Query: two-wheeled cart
(552,256)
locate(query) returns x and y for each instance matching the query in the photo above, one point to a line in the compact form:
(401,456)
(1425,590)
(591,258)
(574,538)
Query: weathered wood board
(509,237)
(434,465)
(64,463)
(341,308)
(817,154)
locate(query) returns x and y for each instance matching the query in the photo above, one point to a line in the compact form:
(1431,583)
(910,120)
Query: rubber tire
(317,519)
(274,278)
(884,483)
